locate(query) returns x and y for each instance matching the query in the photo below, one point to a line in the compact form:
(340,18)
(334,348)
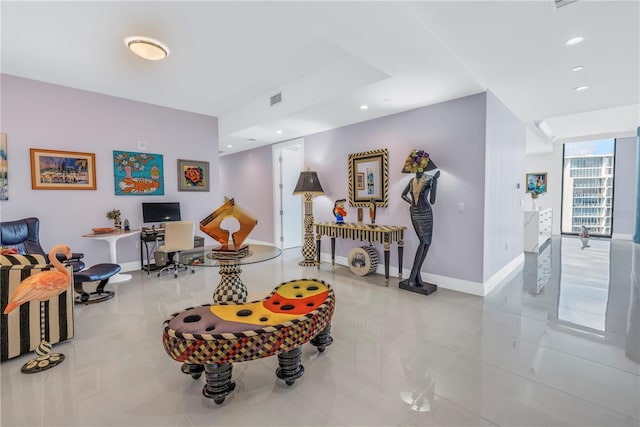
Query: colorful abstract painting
(4,183)
(138,174)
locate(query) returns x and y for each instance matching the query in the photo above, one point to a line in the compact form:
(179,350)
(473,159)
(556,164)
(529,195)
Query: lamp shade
(308,183)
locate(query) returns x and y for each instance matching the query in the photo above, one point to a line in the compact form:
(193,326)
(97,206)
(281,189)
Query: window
(587,196)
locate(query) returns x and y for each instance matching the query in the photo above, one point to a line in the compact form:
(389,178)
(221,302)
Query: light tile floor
(564,353)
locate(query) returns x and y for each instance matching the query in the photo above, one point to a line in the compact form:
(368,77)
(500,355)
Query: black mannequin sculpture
(420,193)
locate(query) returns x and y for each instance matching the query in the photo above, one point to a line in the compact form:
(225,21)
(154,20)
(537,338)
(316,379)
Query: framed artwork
(369,178)
(537,182)
(193,175)
(138,174)
(4,183)
(62,170)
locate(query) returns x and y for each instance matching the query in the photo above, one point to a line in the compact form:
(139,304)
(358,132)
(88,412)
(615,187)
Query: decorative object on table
(138,174)
(193,175)
(42,287)
(126,225)
(62,170)
(372,212)
(103,230)
(420,193)
(211,338)
(309,185)
(369,178)
(114,215)
(4,169)
(338,210)
(211,225)
(362,260)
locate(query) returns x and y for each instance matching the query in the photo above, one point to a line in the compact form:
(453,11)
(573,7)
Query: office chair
(178,237)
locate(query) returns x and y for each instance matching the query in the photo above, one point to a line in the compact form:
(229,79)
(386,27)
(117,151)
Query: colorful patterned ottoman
(210,338)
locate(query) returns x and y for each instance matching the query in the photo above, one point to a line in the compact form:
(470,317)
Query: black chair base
(98,272)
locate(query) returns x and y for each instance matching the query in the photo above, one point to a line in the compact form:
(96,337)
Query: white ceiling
(328,58)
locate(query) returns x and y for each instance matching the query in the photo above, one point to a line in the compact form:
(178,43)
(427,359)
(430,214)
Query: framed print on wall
(193,175)
(62,170)
(4,169)
(537,182)
(369,178)
(138,174)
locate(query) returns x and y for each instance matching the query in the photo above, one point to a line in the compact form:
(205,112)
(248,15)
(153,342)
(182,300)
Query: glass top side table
(230,290)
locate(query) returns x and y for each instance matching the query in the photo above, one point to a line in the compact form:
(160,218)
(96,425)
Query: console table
(385,234)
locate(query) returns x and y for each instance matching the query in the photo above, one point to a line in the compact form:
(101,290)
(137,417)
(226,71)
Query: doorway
(288,161)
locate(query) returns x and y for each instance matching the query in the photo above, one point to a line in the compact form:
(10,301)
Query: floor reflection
(589,291)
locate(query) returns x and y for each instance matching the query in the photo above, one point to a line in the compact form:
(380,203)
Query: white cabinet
(537,229)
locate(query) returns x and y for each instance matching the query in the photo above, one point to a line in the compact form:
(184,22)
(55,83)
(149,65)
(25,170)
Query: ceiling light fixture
(574,40)
(147,48)
(229,145)
(364,107)
(279,132)
(577,68)
(581,88)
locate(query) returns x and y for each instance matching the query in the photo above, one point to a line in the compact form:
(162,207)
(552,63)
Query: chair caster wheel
(219,401)
(289,382)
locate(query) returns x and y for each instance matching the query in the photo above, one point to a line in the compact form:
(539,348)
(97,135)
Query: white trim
(460,285)
(622,236)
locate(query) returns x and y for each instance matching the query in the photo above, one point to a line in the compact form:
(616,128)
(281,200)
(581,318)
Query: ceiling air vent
(560,3)
(275,99)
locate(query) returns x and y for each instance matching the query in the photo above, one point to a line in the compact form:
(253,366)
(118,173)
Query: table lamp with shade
(309,185)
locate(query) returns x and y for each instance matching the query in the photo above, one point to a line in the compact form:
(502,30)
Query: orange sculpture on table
(42,287)
(211,224)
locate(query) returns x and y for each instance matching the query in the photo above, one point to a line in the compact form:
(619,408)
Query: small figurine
(372,212)
(126,225)
(584,236)
(338,210)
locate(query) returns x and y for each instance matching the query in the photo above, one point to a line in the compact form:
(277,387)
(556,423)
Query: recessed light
(364,107)
(147,48)
(279,132)
(577,68)
(574,40)
(229,145)
(387,99)
(581,88)
(251,139)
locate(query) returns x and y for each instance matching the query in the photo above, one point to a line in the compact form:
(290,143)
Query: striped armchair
(20,329)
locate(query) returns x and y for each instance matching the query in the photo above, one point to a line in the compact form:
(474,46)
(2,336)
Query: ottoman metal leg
(323,339)
(290,368)
(219,383)
(191,369)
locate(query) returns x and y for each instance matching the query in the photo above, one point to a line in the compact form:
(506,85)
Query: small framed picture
(193,175)
(360,181)
(62,170)
(537,182)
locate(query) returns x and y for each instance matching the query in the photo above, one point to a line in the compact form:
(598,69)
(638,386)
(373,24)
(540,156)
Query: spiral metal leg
(44,359)
(219,383)
(290,368)
(191,369)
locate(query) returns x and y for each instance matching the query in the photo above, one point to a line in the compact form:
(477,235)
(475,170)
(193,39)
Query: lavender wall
(453,133)
(248,178)
(624,189)
(40,115)
(505,165)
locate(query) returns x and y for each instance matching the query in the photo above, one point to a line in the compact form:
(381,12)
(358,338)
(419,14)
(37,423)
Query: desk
(230,289)
(384,234)
(112,238)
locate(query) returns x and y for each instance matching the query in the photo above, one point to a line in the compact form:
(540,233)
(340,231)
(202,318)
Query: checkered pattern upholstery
(219,348)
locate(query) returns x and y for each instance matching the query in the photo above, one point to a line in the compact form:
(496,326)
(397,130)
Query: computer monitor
(160,212)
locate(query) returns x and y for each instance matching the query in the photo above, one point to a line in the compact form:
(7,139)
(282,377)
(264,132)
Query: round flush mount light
(364,107)
(147,48)
(574,40)
(581,88)
(577,68)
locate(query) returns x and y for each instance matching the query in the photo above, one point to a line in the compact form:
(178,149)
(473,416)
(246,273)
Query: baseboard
(622,236)
(454,284)
(129,266)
